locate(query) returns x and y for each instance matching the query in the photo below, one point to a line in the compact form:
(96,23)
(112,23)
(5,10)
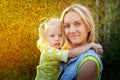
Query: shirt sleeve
(55,54)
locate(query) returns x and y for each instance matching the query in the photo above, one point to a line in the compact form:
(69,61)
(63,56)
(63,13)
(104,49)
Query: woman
(78,28)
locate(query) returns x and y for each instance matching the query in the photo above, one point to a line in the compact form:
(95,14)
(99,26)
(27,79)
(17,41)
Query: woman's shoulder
(90,57)
(91,63)
(91,53)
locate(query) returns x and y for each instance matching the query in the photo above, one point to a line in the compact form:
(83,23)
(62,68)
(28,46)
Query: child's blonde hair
(43,28)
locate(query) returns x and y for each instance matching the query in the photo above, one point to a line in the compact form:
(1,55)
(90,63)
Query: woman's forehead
(72,16)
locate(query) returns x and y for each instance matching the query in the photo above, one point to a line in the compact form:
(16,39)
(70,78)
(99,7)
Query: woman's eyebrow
(78,20)
(65,23)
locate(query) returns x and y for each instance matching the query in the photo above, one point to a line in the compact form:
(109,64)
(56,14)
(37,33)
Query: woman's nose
(72,29)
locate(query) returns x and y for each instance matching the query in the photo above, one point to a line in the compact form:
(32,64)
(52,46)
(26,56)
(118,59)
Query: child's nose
(56,38)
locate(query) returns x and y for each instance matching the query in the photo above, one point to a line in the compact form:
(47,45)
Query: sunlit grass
(19,22)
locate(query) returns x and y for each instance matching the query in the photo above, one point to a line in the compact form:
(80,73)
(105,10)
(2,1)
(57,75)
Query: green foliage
(111,41)
(112,34)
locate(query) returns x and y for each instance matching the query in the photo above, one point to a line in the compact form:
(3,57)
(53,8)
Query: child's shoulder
(43,46)
(65,47)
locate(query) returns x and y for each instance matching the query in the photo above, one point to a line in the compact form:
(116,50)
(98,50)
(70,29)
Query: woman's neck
(78,45)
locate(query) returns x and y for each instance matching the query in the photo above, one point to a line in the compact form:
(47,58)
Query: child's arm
(79,50)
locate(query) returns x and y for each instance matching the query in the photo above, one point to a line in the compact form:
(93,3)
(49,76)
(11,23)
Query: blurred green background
(19,22)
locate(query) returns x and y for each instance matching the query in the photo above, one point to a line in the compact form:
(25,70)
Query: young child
(50,43)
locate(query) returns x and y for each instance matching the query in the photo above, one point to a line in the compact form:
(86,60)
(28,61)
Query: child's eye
(51,35)
(60,35)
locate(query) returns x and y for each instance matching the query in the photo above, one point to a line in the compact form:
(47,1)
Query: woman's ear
(88,30)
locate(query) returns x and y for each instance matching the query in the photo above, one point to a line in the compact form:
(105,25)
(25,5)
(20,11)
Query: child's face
(54,36)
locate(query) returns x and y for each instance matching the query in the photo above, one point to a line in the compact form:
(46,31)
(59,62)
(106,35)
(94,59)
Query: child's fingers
(98,46)
(99,50)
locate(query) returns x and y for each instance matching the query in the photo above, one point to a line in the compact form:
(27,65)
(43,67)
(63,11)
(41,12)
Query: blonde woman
(79,30)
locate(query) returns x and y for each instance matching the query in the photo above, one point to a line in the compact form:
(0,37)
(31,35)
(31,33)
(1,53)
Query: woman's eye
(67,26)
(77,24)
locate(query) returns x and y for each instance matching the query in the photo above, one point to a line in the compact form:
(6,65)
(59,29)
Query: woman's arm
(88,71)
(79,50)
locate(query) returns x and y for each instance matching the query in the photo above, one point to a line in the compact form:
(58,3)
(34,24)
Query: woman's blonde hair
(43,28)
(86,17)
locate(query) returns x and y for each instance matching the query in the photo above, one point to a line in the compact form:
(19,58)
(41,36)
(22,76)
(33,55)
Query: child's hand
(97,47)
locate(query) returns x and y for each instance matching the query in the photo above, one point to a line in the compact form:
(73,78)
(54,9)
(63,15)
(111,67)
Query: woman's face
(75,29)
